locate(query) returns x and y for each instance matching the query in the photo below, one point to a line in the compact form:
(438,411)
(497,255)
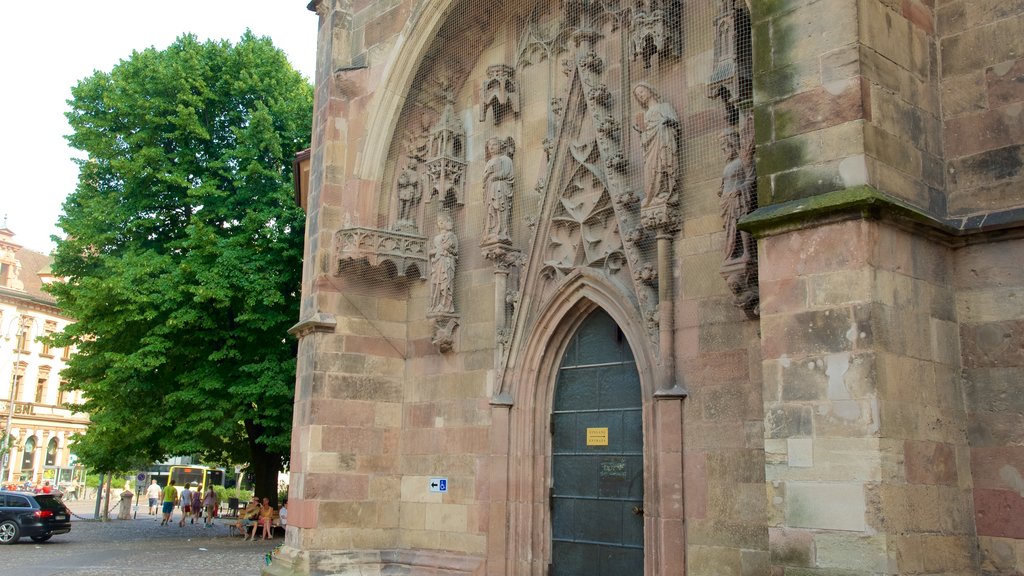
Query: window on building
(67,353)
(51,452)
(62,394)
(40,390)
(41,382)
(48,331)
(23,340)
(16,380)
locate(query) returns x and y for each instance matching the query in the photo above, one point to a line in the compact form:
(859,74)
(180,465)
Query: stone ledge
(293,562)
(865,202)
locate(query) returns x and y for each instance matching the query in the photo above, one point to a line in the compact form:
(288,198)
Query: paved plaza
(139,546)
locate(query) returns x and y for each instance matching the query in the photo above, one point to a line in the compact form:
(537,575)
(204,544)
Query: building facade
(41,428)
(704,287)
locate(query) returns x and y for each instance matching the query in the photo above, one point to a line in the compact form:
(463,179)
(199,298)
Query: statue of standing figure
(659,135)
(444,254)
(736,197)
(499,179)
(409,195)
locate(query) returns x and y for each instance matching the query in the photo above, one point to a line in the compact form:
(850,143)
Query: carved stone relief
(404,251)
(584,230)
(653,24)
(446,155)
(499,93)
(730,82)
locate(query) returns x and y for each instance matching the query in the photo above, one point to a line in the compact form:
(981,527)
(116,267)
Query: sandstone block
(826,506)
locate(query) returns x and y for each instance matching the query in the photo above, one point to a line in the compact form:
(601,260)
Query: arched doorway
(597,448)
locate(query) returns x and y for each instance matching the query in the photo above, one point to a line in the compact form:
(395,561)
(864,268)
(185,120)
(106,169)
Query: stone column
(866,452)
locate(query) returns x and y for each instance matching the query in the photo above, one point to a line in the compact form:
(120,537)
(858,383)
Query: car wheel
(42,538)
(8,532)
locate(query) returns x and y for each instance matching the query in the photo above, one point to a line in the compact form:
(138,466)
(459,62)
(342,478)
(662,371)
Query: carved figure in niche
(499,179)
(409,192)
(659,136)
(417,141)
(444,254)
(498,93)
(736,197)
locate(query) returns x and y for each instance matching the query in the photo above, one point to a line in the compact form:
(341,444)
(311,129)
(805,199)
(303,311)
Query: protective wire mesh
(542,136)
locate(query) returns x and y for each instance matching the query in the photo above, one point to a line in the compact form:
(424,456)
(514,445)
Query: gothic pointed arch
(529,402)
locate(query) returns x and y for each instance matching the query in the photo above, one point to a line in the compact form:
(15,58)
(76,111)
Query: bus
(203,476)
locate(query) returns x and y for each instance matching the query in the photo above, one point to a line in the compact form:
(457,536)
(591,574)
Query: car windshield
(50,502)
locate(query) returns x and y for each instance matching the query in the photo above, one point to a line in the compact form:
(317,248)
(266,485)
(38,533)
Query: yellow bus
(203,476)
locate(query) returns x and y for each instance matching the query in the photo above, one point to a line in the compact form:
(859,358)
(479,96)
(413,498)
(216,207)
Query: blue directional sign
(438,484)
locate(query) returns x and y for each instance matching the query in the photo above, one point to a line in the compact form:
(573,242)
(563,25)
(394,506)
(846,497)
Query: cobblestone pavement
(139,546)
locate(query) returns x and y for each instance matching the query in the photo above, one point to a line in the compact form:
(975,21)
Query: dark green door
(597,456)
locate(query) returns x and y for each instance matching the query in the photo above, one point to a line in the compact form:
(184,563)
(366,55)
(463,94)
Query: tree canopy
(182,259)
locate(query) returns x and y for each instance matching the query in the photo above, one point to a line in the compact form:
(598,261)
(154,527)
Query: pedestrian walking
(210,504)
(153,493)
(197,503)
(186,504)
(169,502)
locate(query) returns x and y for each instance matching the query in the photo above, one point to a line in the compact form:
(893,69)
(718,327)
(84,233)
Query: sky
(46,48)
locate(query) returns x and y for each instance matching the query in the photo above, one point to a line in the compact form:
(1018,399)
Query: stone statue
(499,178)
(659,135)
(410,191)
(444,254)
(736,197)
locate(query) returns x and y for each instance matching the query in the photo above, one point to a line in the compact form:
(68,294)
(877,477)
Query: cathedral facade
(662,287)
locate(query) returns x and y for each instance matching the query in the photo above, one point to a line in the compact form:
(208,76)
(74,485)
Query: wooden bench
(275,526)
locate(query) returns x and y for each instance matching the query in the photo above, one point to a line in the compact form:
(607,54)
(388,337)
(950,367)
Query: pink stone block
(999,513)
(466,441)
(782,296)
(669,415)
(420,415)
(423,441)
(337,487)
(372,346)
(930,463)
(840,246)
(342,413)
(348,440)
(302,513)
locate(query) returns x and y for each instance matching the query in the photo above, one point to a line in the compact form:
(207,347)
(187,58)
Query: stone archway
(526,417)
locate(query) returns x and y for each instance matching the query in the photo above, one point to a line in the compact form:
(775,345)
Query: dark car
(38,516)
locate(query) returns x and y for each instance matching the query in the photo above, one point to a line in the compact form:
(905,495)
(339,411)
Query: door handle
(638,510)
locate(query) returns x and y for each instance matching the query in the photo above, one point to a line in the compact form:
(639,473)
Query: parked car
(38,516)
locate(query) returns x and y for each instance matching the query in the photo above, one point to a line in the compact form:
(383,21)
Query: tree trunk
(263,465)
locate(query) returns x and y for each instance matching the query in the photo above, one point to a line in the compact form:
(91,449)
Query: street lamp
(19,323)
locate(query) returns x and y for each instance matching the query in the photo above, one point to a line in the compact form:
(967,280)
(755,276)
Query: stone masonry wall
(989,303)
(982,50)
(865,438)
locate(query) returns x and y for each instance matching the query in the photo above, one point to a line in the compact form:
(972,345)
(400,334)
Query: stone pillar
(867,460)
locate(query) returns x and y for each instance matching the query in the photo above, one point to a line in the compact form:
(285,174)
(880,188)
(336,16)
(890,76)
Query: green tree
(183,254)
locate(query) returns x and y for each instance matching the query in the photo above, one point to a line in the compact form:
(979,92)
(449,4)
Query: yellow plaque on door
(597,436)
